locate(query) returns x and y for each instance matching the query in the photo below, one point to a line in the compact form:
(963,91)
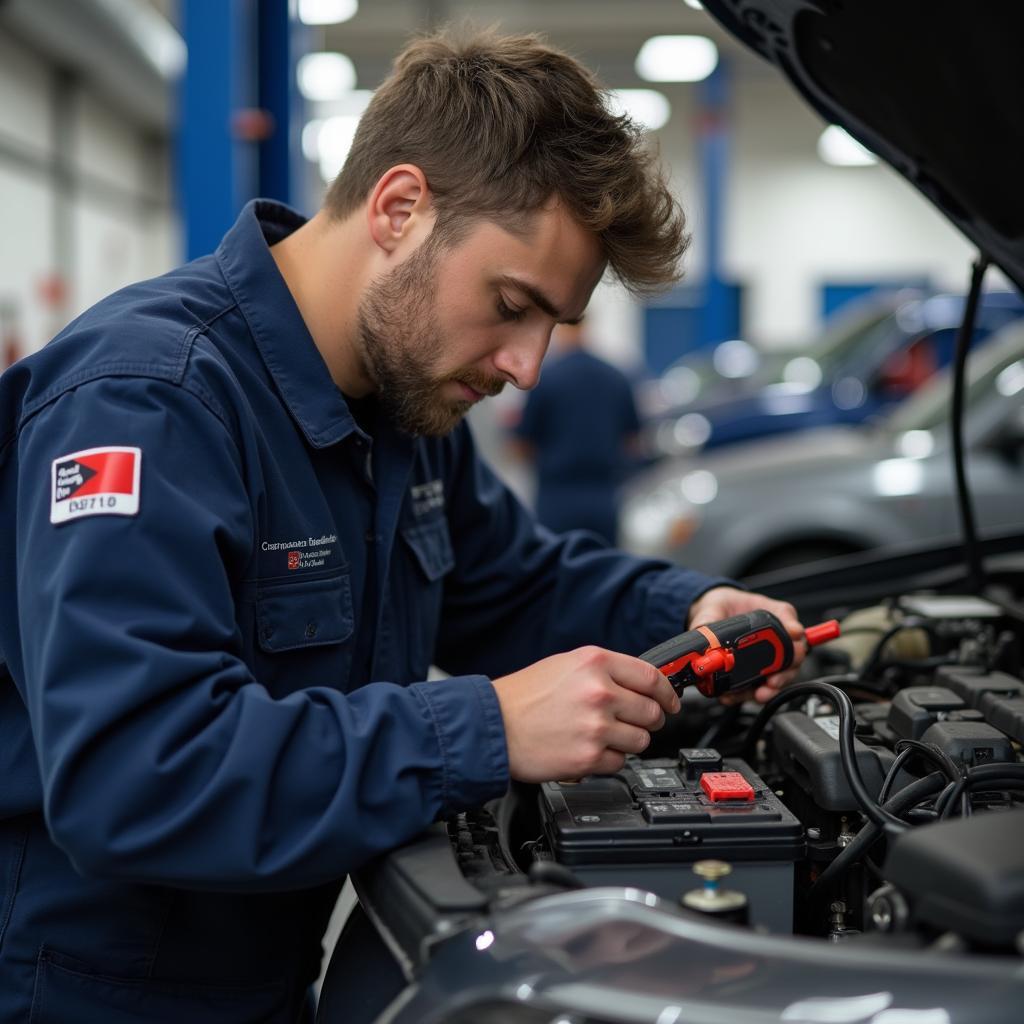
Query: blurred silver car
(774,503)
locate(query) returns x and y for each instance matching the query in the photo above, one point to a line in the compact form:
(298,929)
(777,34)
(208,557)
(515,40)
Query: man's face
(452,324)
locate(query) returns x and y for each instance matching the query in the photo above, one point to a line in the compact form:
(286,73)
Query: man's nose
(519,361)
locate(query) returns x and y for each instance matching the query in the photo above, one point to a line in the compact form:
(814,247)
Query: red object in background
(53,290)
(11,350)
(252,124)
(10,336)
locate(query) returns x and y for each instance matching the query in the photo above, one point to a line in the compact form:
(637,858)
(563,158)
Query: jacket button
(310,630)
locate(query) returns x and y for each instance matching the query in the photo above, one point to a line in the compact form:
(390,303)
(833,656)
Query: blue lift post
(720,298)
(217,172)
(281,42)
(700,315)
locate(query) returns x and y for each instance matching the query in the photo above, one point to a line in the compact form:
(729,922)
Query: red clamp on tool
(733,653)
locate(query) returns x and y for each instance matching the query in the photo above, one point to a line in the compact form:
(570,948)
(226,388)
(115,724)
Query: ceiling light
(676,59)
(647,107)
(837,147)
(353,102)
(326,12)
(695,4)
(325,76)
(311,139)
(334,140)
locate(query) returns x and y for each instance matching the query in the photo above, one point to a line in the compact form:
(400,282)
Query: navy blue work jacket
(205,561)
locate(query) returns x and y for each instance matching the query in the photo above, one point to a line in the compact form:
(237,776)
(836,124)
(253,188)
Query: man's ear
(399,207)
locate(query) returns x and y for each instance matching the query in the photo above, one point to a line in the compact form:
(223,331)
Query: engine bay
(751,815)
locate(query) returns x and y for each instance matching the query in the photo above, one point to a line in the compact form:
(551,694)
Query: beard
(401,345)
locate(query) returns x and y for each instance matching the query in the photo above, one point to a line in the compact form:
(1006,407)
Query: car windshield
(865,335)
(847,330)
(999,367)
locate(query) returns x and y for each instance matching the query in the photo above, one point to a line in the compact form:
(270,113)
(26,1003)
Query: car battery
(646,826)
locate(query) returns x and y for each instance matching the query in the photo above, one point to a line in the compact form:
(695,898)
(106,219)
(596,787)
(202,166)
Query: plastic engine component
(971,684)
(965,876)
(970,743)
(807,750)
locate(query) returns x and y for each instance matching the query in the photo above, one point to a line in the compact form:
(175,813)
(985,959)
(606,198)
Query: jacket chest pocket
(304,613)
(430,547)
(303,631)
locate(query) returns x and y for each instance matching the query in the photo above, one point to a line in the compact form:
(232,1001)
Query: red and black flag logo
(97,481)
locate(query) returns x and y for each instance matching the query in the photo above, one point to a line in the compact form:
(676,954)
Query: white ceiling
(605,34)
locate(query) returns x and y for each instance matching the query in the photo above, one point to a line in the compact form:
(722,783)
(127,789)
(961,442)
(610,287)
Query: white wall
(119,220)
(793,222)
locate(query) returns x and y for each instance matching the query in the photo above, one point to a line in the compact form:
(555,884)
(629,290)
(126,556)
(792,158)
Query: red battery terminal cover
(726,786)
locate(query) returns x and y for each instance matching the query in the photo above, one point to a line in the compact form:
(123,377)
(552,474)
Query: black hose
(906,749)
(905,799)
(995,775)
(972,555)
(873,659)
(844,706)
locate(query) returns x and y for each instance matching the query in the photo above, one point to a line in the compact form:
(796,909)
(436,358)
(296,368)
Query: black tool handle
(725,655)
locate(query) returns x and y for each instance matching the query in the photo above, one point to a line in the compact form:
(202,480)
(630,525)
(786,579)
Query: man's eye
(506,312)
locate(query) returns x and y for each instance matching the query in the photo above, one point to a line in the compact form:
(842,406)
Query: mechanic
(241,519)
(580,429)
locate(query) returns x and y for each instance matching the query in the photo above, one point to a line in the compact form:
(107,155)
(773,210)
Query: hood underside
(934,87)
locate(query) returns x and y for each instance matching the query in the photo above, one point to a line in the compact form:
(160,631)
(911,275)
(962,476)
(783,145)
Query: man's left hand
(724,602)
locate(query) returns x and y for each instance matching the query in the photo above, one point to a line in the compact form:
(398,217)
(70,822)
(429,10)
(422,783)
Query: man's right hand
(580,713)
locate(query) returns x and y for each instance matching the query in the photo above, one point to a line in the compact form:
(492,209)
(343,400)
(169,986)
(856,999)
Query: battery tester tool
(732,653)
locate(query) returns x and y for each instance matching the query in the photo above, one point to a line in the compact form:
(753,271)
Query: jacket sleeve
(162,758)
(519,592)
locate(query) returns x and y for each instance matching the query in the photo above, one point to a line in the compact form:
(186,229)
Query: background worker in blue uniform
(241,518)
(580,429)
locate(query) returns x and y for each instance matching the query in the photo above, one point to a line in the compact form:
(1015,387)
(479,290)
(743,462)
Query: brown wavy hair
(500,125)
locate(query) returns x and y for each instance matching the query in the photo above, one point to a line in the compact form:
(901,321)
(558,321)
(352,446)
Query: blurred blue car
(848,384)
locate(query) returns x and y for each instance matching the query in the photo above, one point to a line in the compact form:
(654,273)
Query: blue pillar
(713,142)
(280,154)
(217,171)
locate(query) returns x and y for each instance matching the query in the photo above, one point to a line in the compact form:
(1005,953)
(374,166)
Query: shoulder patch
(95,482)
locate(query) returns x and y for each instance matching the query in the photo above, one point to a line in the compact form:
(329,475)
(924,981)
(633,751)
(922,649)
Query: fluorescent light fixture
(838,147)
(676,59)
(311,139)
(326,12)
(354,102)
(325,76)
(333,143)
(647,107)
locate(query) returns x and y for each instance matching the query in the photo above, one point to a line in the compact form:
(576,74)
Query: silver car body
(777,502)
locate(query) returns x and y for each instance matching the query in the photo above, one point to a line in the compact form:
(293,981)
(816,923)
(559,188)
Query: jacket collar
(281,335)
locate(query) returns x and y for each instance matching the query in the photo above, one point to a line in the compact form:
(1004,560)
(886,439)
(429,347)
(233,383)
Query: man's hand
(580,713)
(723,602)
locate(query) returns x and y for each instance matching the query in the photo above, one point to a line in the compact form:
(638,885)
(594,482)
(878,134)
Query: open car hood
(934,88)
